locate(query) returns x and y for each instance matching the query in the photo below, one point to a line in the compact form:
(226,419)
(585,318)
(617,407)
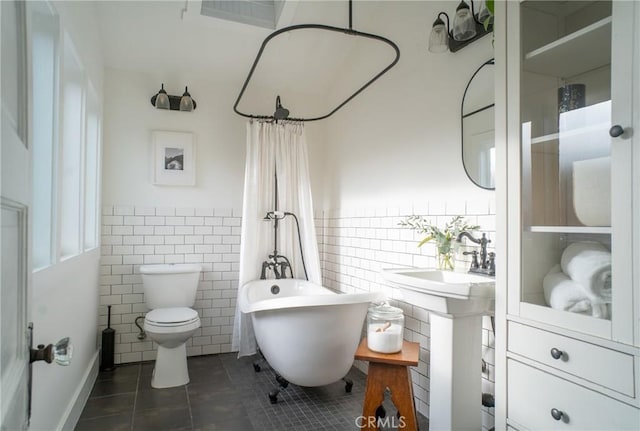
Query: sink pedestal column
(455,372)
(456,302)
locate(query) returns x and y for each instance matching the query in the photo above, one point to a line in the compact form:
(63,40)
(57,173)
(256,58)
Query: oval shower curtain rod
(280,111)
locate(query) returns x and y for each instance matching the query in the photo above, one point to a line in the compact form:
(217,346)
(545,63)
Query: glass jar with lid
(385,328)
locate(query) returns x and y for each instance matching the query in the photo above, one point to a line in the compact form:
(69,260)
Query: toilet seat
(171,317)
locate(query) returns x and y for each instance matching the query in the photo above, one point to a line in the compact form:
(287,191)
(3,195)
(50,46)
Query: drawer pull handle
(616,130)
(557,414)
(556,354)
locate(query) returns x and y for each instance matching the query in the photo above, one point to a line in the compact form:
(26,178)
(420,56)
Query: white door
(15,202)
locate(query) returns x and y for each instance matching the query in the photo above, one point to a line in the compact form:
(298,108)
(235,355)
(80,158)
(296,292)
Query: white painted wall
(64,297)
(79,19)
(65,304)
(398,142)
(220,141)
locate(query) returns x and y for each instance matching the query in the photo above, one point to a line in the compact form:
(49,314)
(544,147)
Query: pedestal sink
(456,302)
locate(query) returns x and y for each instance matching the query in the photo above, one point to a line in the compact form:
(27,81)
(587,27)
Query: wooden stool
(389,371)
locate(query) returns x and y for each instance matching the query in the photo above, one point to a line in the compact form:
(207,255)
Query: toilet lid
(171,315)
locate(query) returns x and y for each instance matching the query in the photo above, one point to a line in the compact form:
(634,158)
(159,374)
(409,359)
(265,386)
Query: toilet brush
(108,341)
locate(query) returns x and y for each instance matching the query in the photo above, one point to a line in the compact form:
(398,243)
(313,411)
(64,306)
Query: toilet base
(171,367)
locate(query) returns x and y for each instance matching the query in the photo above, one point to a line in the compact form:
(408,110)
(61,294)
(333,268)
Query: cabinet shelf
(545,138)
(605,230)
(581,131)
(588,48)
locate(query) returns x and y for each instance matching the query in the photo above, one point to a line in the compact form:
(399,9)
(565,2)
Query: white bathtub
(307,333)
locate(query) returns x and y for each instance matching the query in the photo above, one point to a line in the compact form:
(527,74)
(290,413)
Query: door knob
(61,352)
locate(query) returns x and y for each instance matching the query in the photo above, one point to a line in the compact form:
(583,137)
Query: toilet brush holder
(108,345)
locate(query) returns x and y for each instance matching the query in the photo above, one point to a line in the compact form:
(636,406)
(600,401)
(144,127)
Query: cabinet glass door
(567,242)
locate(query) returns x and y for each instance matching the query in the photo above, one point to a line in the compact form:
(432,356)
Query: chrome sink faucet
(487,260)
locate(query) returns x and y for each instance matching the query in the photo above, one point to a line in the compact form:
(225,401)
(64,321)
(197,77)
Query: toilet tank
(168,286)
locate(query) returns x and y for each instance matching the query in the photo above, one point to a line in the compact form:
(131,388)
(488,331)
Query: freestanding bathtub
(306,332)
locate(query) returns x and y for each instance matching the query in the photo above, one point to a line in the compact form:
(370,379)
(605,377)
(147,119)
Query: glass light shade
(162,99)
(438,40)
(484,13)
(464,25)
(186,102)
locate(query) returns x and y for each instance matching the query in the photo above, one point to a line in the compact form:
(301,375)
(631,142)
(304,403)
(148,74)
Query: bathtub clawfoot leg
(348,384)
(281,381)
(256,367)
(273,396)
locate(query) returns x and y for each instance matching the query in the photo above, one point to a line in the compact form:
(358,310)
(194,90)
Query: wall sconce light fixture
(467,27)
(162,100)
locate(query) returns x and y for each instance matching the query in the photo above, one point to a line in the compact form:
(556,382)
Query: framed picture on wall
(174,158)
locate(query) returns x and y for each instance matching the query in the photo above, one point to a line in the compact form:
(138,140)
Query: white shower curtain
(274,149)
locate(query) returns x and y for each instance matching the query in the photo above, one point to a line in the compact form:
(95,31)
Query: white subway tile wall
(354,246)
(133,236)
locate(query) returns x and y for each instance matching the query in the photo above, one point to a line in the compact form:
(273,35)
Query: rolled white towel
(562,293)
(589,263)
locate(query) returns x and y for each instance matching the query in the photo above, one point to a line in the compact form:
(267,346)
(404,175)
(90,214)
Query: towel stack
(582,281)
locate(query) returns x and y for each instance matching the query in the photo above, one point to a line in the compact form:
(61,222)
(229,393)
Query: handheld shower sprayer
(275,215)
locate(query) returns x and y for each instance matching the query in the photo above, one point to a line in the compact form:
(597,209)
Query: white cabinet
(594,365)
(568,298)
(542,401)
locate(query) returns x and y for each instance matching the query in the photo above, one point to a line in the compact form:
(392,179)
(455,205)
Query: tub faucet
(278,264)
(271,264)
(487,261)
(283,269)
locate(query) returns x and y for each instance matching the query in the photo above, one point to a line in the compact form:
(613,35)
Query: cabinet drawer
(533,394)
(606,367)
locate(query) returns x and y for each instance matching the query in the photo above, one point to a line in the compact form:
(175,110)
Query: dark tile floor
(225,394)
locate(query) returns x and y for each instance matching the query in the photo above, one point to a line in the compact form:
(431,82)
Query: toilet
(169,292)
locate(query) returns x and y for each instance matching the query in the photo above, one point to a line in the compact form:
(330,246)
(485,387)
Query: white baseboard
(74,409)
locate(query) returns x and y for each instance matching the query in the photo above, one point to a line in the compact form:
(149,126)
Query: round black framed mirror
(477,124)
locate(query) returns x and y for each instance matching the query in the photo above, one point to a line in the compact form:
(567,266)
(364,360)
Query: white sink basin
(445,292)
(456,302)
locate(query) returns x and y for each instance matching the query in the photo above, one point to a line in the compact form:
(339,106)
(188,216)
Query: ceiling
(263,13)
(169,37)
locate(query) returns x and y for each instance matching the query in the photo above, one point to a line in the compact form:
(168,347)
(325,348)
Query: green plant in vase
(445,239)
(487,21)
